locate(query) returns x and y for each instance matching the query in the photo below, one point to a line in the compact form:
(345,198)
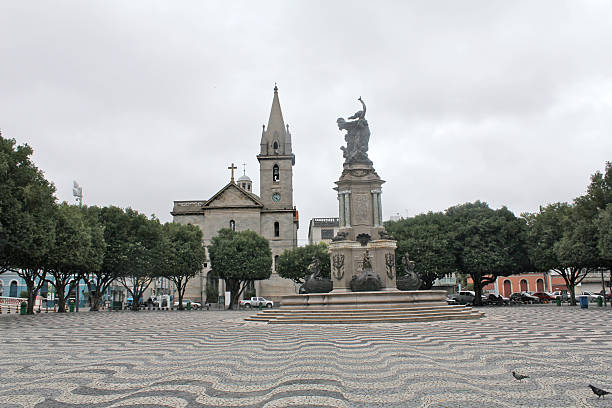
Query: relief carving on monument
(390,264)
(360,208)
(338,264)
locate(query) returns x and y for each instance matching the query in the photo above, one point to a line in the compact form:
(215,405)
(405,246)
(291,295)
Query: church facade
(271,214)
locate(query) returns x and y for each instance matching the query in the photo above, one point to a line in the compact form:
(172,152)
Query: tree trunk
(31,297)
(234,288)
(136,301)
(477,292)
(61,298)
(572,291)
(181,293)
(94,303)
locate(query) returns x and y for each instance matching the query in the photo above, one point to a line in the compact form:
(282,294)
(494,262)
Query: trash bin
(600,301)
(584,301)
(558,300)
(189,305)
(24,308)
(71,305)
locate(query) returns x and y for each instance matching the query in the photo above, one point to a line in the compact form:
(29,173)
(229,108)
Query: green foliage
(71,253)
(139,254)
(183,255)
(487,243)
(293,263)
(604,224)
(26,220)
(238,257)
(425,238)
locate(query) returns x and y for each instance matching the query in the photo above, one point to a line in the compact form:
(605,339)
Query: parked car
(545,296)
(499,300)
(523,297)
(464,297)
(256,302)
(529,298)
(194,305)
(591,295)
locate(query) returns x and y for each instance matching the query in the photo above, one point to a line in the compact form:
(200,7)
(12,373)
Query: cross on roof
(232,168)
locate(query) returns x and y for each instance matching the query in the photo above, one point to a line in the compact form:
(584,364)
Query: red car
(544,296)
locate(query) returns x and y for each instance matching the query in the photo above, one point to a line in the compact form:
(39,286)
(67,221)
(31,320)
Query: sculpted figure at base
(410,280)
(367,280)
(357,137)
(315,283)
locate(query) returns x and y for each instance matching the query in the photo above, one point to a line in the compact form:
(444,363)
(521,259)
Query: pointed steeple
(276,123)
(274,136)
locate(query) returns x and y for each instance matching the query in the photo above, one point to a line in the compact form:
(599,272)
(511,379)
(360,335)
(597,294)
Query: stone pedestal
(361,229)
(347,261)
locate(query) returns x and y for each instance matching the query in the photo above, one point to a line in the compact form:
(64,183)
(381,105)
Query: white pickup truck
(256,302)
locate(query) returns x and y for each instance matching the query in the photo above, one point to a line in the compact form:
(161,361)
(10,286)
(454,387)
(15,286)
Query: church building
(271,214)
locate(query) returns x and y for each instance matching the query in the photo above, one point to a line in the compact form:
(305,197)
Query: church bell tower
(276,161)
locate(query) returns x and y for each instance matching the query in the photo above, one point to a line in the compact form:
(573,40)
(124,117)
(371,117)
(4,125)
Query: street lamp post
(77,192)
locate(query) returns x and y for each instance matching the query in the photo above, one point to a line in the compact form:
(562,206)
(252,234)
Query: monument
(362,254)
(362,257)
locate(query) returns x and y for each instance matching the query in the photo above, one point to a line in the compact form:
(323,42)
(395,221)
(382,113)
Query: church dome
(245,183)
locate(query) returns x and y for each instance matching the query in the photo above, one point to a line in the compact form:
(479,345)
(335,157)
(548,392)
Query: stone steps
(349,316)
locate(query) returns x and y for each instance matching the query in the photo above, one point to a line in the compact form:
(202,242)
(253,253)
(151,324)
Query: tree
(554,237)
(71,253)
(26,221)
(98,276)
(140,256)
(183,255)
(240,257)
(425,239)
(604,242)
(293,263)
(487,243)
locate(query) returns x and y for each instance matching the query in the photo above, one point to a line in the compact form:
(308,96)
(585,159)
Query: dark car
(545,296)
(499,300)
(523,297)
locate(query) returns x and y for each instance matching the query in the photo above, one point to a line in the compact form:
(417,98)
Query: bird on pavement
(519,376)
(598,391)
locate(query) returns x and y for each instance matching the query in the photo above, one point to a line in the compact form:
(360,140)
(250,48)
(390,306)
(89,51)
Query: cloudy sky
(146,102)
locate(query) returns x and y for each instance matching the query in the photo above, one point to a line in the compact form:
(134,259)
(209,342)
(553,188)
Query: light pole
(77,192)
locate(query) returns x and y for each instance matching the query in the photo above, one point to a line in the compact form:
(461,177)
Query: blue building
(11,285)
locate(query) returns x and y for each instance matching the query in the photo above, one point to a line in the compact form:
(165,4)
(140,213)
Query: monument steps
(390,315)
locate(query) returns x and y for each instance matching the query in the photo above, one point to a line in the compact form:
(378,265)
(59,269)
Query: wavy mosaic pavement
(216,359)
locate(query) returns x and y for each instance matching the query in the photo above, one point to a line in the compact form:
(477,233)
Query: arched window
(275,146)
(275,173)
(276,229)
(540,285)
(275,261)
(13,289)
(233,225)
(524,285)
(507,288)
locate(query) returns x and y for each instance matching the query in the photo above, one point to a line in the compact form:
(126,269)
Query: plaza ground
(213,359)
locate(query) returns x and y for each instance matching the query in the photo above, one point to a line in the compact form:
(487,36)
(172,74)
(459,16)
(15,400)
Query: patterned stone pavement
(213,359)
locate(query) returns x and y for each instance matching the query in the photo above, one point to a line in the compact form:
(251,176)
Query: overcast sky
(146,102)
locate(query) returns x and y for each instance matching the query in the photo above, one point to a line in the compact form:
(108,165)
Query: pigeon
(598,391)
(520,376)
